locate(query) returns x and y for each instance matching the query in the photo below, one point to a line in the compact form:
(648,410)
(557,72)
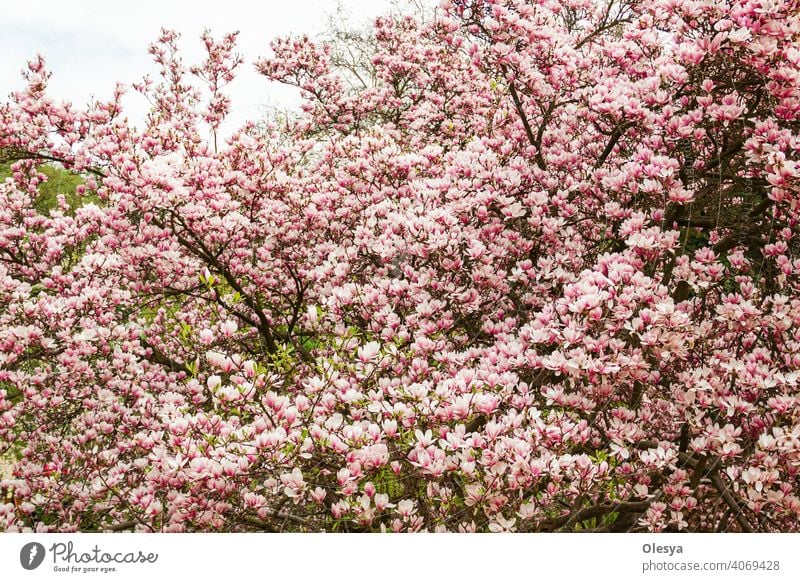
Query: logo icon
(31,555)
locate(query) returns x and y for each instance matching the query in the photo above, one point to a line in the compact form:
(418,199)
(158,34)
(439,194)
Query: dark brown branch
(598,510)
(526,124)
(15,155)
(731,502)
(737,238)
(204,253)
(618,132)
(158,357)
(713,475)
(260,523)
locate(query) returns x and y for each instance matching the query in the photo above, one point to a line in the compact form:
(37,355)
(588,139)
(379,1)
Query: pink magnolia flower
(368,351)
(206,337)
(406,508)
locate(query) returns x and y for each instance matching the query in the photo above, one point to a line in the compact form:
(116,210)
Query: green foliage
(386,481)
(59,181)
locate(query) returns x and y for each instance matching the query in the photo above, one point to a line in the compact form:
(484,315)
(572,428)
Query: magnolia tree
(519,266)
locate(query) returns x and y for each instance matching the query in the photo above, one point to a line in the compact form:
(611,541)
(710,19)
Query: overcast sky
(91,44)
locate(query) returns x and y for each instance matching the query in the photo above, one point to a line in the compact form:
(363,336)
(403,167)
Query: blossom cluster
(538,271)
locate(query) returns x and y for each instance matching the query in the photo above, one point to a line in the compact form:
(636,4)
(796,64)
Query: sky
(89,45)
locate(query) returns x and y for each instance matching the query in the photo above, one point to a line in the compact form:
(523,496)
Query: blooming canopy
(530,266)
